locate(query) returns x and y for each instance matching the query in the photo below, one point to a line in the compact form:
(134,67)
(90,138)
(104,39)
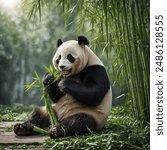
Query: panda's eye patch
(70,58)
(57,61)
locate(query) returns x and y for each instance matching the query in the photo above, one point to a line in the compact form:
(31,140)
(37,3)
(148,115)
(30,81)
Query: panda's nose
(62,67)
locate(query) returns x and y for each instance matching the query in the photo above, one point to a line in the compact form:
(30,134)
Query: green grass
(122,132)
(14,113)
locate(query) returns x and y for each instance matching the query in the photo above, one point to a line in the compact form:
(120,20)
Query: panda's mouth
(66,72)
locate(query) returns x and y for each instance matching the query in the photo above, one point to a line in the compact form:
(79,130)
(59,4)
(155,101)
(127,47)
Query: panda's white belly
(68,106)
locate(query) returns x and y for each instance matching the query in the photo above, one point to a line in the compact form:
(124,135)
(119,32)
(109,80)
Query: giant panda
(81,98)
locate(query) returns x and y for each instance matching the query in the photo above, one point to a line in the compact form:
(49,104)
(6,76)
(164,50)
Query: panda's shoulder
(94,70)
(95,74)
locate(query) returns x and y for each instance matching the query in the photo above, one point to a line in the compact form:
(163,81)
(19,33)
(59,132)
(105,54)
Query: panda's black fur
(83,40)
(95,85)
(82,101)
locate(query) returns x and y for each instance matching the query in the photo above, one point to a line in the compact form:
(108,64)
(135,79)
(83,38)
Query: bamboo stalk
(49,109)
(40,130)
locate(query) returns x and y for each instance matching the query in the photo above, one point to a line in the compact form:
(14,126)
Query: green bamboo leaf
(47,69)
(39,8)
(51,69)
(30,86)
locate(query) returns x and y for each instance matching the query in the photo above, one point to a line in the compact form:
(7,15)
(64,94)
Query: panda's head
(71,56)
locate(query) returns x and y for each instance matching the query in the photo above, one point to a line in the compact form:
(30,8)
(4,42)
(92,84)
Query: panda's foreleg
(78,124)
(52,87)
(38,117)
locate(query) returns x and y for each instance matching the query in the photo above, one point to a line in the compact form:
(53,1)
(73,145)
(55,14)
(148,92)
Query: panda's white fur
(67,105)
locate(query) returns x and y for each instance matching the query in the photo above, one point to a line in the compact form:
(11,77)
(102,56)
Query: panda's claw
(63,86)
(47,79)
(57,131)
(22,129)
(53,133)
(17,127)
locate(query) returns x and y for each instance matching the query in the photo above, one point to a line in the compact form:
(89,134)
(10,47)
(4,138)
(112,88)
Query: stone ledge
(8,137)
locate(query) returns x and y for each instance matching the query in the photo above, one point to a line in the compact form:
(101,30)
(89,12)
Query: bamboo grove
(121,27)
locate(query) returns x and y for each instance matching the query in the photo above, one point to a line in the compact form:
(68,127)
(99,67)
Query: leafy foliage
(16,113)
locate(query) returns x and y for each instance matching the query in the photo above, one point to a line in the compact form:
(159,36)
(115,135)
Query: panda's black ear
(83,40)
(59,42)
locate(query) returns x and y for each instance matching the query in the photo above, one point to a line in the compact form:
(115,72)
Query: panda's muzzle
(66,72)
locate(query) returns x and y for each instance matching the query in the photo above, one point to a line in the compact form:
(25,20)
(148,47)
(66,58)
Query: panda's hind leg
(38,117)
(78,124)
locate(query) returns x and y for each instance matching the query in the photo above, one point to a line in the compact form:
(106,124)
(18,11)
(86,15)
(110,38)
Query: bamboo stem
(40,130)
(49,109)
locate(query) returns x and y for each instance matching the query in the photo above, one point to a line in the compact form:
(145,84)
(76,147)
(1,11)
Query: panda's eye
(70,58)
(57,61)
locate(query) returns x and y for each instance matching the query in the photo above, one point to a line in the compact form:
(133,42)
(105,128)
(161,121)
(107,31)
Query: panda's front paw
(57,131)
(23,129)
(48,79)
(63,85)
